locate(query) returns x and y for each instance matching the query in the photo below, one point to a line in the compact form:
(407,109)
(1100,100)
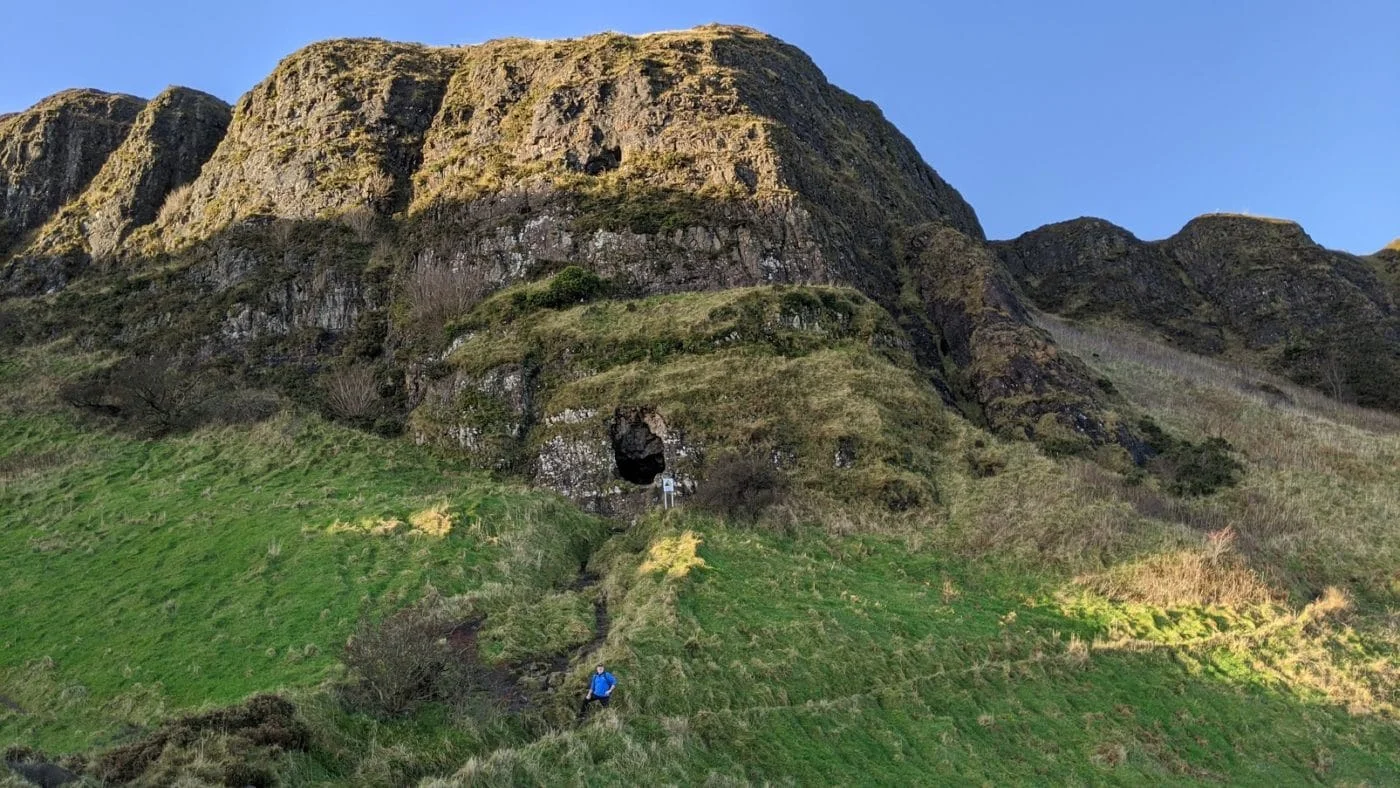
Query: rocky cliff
(1386,264)
(164,149)
(371,207)
(50,152)
(1254,289)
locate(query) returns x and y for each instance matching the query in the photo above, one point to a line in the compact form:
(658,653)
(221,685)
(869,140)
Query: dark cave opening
(604,161)
(639,453)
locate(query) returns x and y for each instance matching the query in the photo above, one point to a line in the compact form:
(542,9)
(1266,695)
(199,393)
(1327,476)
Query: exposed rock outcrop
(51,151)
(1257,289)
(1088,268)
(594,400)
(337,128)
(1019,380)
(364,198)
(171,138)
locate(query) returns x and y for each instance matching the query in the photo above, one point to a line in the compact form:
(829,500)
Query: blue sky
(1144,112)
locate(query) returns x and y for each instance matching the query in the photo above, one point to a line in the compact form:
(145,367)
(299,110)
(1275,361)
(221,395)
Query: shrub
(899,495)
(156,394)
(403,661)
(352,393)
(438,292)
(741,486)
(1058,439)
(11,327)
(983,461)
(1191,468)
(571,286)
(1201,469)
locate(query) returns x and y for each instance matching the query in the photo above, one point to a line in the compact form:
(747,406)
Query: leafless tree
(1332,371)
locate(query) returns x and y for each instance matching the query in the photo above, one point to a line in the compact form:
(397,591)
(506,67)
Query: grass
(869,662)
(1049,621)
(1317,505)
(142,577)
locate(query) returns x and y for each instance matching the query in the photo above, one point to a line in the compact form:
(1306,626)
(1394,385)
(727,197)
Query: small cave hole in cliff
(638,451)
(603,161)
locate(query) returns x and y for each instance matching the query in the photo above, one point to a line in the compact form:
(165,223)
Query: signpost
(668,491)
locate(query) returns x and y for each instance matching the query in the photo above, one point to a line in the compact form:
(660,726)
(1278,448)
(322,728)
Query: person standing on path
(600,687)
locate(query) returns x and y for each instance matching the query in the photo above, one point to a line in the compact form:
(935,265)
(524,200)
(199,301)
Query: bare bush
(741,486)
(352,392)
(437,292)
(155,393)
(403,661)
(361,222)
(378,190)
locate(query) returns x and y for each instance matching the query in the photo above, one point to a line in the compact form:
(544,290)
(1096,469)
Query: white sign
(668,491)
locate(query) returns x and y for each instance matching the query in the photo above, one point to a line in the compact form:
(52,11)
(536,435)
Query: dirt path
(601,622)
(515,685)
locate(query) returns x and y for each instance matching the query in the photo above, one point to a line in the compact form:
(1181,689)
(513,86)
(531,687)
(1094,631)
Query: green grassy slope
(842,660)
(1048,621)
(142,577)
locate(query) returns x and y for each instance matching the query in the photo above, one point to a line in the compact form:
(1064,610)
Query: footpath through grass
(858,660)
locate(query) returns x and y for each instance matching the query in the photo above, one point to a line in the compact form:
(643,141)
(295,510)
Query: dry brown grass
(675,556)
(1319,504)
(1202,576)
(176,203)
(434,521)
(1124,345)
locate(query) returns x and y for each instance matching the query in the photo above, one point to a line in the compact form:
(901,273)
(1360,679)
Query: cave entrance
(637,449)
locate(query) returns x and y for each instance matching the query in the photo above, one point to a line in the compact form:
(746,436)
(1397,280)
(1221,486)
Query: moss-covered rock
(1020,382)
(818,380)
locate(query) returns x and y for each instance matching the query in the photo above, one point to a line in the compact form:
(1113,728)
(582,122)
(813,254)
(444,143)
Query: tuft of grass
(674,556)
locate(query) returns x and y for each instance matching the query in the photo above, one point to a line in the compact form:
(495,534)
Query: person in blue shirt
(600,687)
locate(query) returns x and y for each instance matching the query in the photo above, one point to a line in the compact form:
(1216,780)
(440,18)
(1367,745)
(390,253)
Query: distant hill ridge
(1256,289)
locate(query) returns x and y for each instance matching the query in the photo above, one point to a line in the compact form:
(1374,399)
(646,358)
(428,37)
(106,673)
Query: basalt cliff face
(1257,290)
(482,245)
(50,153)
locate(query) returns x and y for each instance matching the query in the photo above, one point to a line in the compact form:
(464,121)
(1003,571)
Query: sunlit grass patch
(674,555)
(434,521)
